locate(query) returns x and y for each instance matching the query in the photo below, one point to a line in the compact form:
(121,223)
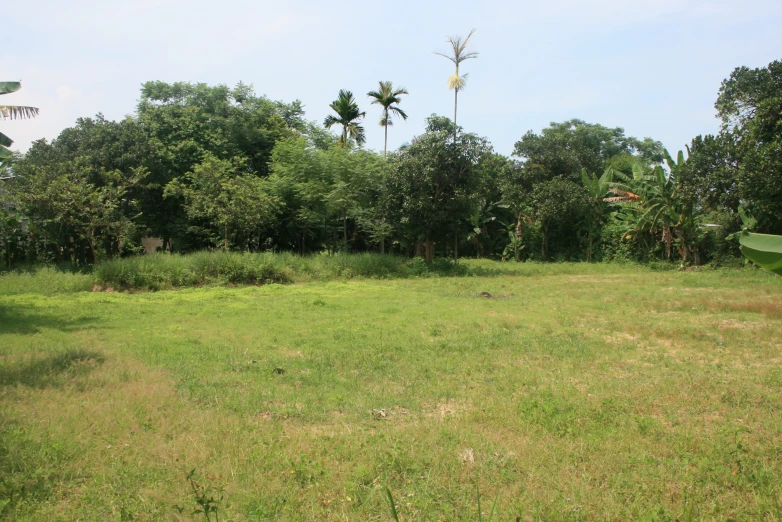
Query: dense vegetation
(207,167)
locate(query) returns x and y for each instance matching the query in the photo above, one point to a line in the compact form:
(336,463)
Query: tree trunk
(589,248)
(91,241)
(345,230)
(544,250)
(455,97)
(519,233)
(429,249)
(225,238)
(385,143)
(382,245)
(419,248)
(455,247)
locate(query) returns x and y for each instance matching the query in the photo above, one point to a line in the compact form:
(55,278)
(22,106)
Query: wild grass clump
(44,280)
(219,268)
(160,271)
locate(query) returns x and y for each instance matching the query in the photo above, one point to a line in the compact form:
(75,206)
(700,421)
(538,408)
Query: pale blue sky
(651,66)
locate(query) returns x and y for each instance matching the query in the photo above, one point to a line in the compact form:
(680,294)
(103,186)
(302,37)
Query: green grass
(218,268)
(573,392)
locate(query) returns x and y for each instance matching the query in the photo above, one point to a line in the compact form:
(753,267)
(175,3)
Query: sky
(652,67)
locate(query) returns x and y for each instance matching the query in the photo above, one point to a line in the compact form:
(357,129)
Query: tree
(557,203)
(348,116)
(458,55)
(386,96)
(76,213)
(597,189)
(220,195)
(13,112)
(184,123)
(567,148)
(435,178)
(750,106)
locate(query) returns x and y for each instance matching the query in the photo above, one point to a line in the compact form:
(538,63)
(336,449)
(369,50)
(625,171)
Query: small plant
(390,499)
(395,515)
(207,498)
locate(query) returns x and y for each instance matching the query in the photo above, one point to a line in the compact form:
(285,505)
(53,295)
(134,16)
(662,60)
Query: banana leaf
(764,250)
(9,87)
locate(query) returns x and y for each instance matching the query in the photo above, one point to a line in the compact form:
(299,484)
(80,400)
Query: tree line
(207,167)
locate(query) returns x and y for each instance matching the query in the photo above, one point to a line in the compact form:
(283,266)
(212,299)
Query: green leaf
(5,153)
(390,499)
(9,87)
(5,141)
(764,250)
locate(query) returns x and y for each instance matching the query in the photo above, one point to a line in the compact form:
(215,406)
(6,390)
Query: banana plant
(764,250)
(652,204)
(12,112)
(598,189)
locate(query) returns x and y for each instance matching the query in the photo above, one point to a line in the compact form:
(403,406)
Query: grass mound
(161,271)
(218,268)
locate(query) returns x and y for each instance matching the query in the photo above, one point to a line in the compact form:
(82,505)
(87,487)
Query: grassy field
(565,392)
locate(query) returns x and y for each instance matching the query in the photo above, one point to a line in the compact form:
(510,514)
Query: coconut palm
(349,116)
(12,112)
(458,55)
(386,97)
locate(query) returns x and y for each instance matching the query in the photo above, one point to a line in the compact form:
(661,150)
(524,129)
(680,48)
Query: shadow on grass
(27,320)
(51,370)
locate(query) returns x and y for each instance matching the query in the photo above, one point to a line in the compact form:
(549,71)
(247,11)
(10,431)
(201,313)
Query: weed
(207,498)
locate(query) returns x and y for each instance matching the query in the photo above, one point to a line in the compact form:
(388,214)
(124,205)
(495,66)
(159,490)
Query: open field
(566,392)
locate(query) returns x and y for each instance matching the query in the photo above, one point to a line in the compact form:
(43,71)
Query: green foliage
(324,191)
(13,112)
(743,164)
(653,210)
(568,148)
(597,189)
(348,116)
(763,249)
(201,166)
(388,98)
(435,179)
(207,498)
(229,202)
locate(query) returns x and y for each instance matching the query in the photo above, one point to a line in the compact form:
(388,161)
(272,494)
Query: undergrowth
(218,268)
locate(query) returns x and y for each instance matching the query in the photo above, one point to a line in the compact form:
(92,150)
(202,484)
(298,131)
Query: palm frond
(446,56)
(399,112)
(622,196)
(458,46)
(330,121)
(17,112)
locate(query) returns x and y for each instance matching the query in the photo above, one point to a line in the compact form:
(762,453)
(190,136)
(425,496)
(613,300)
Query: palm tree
(456,82)
(12,112)
(386,97)
(348,115)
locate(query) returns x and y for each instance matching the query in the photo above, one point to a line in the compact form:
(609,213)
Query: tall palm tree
(458,55)
(386,97)
(12,112)
(349,116)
